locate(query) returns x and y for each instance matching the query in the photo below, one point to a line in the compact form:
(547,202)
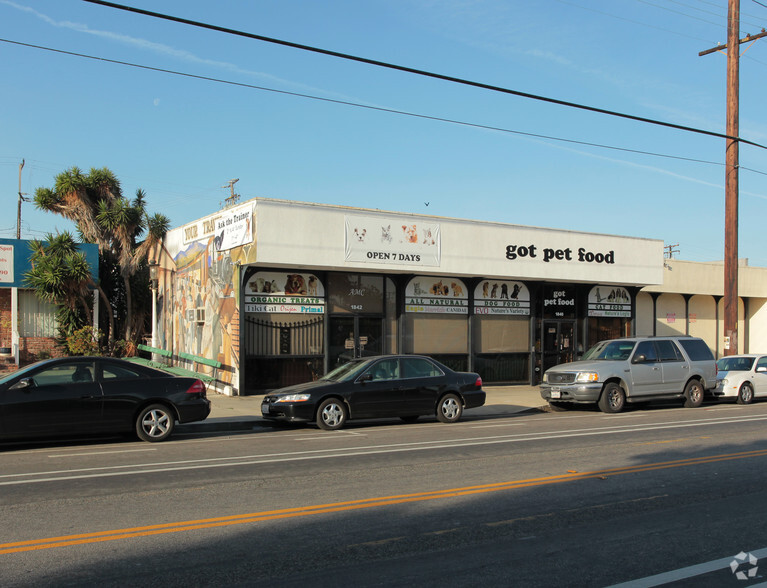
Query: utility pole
(731,174)
(21,199)
(233,198)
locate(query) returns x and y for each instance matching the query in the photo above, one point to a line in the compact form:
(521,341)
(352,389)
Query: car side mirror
(641,358)
(366,377)
(23,383)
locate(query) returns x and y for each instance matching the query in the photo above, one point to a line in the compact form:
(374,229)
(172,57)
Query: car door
(422,382)
(760,376)
(646,374)
(377,392)
(676,369)
(58,398)
(123,387)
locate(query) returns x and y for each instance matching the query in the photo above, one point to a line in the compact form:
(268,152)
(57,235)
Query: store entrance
(354,336)
(558,342)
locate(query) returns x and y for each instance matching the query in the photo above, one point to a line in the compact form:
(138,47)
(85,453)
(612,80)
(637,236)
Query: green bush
(84,341)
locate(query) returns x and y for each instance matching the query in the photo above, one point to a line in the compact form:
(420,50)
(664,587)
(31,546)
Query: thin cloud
(162,49)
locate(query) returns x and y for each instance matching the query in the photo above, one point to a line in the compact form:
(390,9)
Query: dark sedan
(405,386)
(97,395)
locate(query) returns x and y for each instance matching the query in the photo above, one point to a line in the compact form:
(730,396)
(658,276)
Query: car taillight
(197,388)
(478,383)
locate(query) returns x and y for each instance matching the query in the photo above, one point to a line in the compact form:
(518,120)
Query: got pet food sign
(436,295)
(500,297)
(281,293)
(392,241)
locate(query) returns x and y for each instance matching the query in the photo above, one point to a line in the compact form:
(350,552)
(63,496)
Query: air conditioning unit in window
(190,315)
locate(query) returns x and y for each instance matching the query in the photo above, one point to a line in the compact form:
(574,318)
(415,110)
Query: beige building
(279,292)
(690,302)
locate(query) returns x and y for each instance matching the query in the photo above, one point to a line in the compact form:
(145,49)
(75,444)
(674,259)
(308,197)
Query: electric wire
(367,106)
(420,72)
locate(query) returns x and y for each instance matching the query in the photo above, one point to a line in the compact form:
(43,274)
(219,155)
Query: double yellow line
(303,511)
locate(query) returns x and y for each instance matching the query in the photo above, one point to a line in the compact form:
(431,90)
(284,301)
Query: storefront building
(279,292)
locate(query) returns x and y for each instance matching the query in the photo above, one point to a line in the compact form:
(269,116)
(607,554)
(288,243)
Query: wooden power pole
(731,174)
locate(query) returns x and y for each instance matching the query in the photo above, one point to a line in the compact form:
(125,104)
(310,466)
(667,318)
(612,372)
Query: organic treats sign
(609,301)
(277,292)
(391,240)
(436,295)
(501,297)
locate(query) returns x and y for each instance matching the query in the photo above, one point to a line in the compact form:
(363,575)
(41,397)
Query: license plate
(555,393)
(265,408)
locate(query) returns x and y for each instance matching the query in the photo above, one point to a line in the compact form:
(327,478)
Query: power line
(369,107)
(419,72)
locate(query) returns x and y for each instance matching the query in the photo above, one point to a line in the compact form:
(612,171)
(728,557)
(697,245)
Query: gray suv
(634,369)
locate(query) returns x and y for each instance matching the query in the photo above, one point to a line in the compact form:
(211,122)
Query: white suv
(634,369)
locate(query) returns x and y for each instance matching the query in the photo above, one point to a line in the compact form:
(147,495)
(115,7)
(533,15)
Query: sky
(297,125)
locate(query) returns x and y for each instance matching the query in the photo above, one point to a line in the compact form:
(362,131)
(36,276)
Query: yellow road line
(146,531)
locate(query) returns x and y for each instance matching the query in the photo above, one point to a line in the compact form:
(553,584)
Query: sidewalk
(241,413)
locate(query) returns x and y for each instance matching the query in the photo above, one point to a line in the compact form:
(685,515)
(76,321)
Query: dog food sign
(283,293)
(500,297)
(436,295)
(393,241)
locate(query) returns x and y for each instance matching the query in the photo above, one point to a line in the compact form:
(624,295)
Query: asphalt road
(549,499)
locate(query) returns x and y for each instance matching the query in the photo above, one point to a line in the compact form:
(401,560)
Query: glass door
(558,343)
(354,336)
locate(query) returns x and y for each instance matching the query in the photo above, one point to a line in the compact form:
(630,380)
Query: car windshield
(347,371)
(19,373)
(610,350)
(734,364)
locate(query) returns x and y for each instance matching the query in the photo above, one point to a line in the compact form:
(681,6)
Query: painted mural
(197,293)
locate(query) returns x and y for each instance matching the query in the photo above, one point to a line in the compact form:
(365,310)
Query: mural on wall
(501,297)
(197,295)
(436,295)
(609,301)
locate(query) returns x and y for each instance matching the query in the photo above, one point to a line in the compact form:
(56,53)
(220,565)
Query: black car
(405,386)
(97,395)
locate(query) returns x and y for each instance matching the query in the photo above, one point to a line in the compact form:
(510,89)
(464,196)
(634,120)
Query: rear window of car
(668,351)
(697,349)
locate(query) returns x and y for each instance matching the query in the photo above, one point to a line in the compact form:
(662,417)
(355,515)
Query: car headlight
(293,398)
(587,377)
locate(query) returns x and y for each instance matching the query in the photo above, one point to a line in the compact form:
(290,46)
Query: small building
(28,326)
(280,292)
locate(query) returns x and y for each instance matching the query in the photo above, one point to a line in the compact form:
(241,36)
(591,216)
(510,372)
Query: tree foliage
(123,230)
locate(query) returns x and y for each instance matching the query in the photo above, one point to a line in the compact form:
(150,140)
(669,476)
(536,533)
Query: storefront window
(502,348)
(355,293)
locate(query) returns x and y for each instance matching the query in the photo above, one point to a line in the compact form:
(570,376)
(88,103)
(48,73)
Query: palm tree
(94,202)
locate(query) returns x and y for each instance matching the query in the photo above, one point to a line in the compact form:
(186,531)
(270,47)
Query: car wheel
(411,418)
(449,409)
(693,394)
(613,399)
(745,394)
(558,406)
(331,414)
(155,423)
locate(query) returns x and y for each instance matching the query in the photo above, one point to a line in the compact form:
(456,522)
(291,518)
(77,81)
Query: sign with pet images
(393,241)
(612,301)
(284,293)
(234,228)
(436,295)
(501,297)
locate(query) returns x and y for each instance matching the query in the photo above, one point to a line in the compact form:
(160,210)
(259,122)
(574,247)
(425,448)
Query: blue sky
(182,139)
